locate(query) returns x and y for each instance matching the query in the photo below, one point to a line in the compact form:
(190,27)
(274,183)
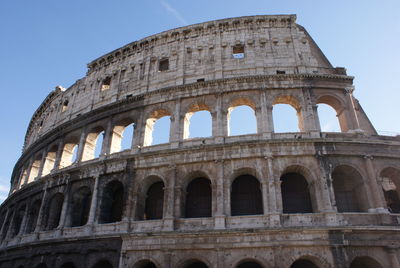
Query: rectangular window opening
(280,72)
(238,51)
(163,65)
(106,84)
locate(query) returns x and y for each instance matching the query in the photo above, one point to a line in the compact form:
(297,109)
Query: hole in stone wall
(198,198)
(33,216)
(286,118)
(112,203)
(200,124)
(106,83)
(241,120)
(54,211)
(80,206)
(154,202)
(161,130)
(163,65)
(238,51)
(295,194)
(246,196)
(328,119)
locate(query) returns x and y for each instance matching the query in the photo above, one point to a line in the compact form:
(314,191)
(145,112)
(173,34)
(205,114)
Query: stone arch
(246,194)
(50,160)
(365,262)
(92,143)
(154,204)
(149,126)
(18,218)
(103,264)
(143,188)
(313,261)
(112,203)
(195,262)
(390,178)
(118,132)
(54,211)
(145,263)
(349,189)
(68,265)
(295,104)
(198,198)
(245,102)
(249,263)
(33,216)
(296,190)
(70,149)
(35,168)
(339,107)
(194,108)
(80,206)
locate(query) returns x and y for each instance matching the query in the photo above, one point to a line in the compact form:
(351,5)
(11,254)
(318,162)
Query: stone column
(64,209)
(323,188)
(41,210)
(377,196)
(42,161)
(355,123)
(394,260)
(58,155)
(170,200)
(221,126)
(3,226)
(265,120)
(28,172)
(272,191)
(108,133)
(219,216)
(81,145)
(176,126)
(23,222)
(93,203)
(310,114)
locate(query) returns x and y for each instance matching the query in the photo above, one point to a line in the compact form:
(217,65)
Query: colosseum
(267,199)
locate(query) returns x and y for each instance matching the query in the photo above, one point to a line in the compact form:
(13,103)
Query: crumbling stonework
(303,199)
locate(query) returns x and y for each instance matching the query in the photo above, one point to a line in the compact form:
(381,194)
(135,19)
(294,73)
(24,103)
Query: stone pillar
(58,155)
(93,203)
(355,123)
(64,209)
(81,145)
(23,222)
(394,260)
(176,126)
(170,200)
(219,50)
(108,133)
(42,161)
(376,192)
(322,187)
(28,172)
(310,114)
(219,216)
(3,226)
(266,123)
(41,210)
(272,191)
(221,129)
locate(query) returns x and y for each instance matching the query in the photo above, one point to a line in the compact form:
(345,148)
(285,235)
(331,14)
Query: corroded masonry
(81,197)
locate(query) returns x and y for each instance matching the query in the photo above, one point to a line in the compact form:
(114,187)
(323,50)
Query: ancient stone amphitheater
(268,199)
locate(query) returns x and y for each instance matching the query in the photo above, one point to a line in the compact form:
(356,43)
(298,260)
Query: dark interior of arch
(392,201)
(196,264)
(154,201)
(19,215)
(68,265)
(246,197)
(6,225)
(346,186)
(295,194)
(54,211)
(33,217)
(112,203)
(103,264)
(145,264)
(249,264)
(364,262)
(198,198)
(80,206)
(303,264)
(41,265)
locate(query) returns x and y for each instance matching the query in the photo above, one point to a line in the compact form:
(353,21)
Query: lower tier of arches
(255,248)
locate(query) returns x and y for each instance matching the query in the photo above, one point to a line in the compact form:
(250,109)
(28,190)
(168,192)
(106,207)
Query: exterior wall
(125,87)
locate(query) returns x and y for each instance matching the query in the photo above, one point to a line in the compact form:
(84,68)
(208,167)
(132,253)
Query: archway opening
(391,188)
(303,263)
(122,136)
(112,203)
(198,198)
(70,153)
(34,172)
(249,264)
(157,128)
(364,262)
(41,265)
(154,202)
(286,118)
(295,194)
(241,120)
(103,264)
(196,264)
(197,124)
(144,264)
(33,217)
(328,118)
(68,265)
(93,144)
(348,189)
(50,160)
(18,217)
(54,211)
(246,196)
(80,206)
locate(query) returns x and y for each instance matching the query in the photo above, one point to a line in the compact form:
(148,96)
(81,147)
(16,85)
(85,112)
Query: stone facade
(303,199)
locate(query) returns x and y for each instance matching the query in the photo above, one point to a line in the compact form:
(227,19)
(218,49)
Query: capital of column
(368,157)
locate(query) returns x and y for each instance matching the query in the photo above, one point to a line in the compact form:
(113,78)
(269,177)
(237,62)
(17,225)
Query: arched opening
(241,120)
(198,123)
(33,217)
(328,119)
(198,198)
(157,128)
(154,202)
(93,144)
(286,115)
(80,206)
(303,263)
(196,264)
(103,264)
(35,168)
(18,217)
(246,196)
(54,211)
(144,264)
(249,264)
(112,203)
(332,115)
(295,194)
(7,224)
(364,262)
(349,190)
(70,153)
(122,136)
(50,160)
(41,265)
(68,265)
(23,177)
(391,188)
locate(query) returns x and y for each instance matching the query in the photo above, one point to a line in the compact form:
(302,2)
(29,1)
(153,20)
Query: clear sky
(45,43)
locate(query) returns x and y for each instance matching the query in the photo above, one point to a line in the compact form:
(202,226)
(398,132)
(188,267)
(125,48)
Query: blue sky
(46,43)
